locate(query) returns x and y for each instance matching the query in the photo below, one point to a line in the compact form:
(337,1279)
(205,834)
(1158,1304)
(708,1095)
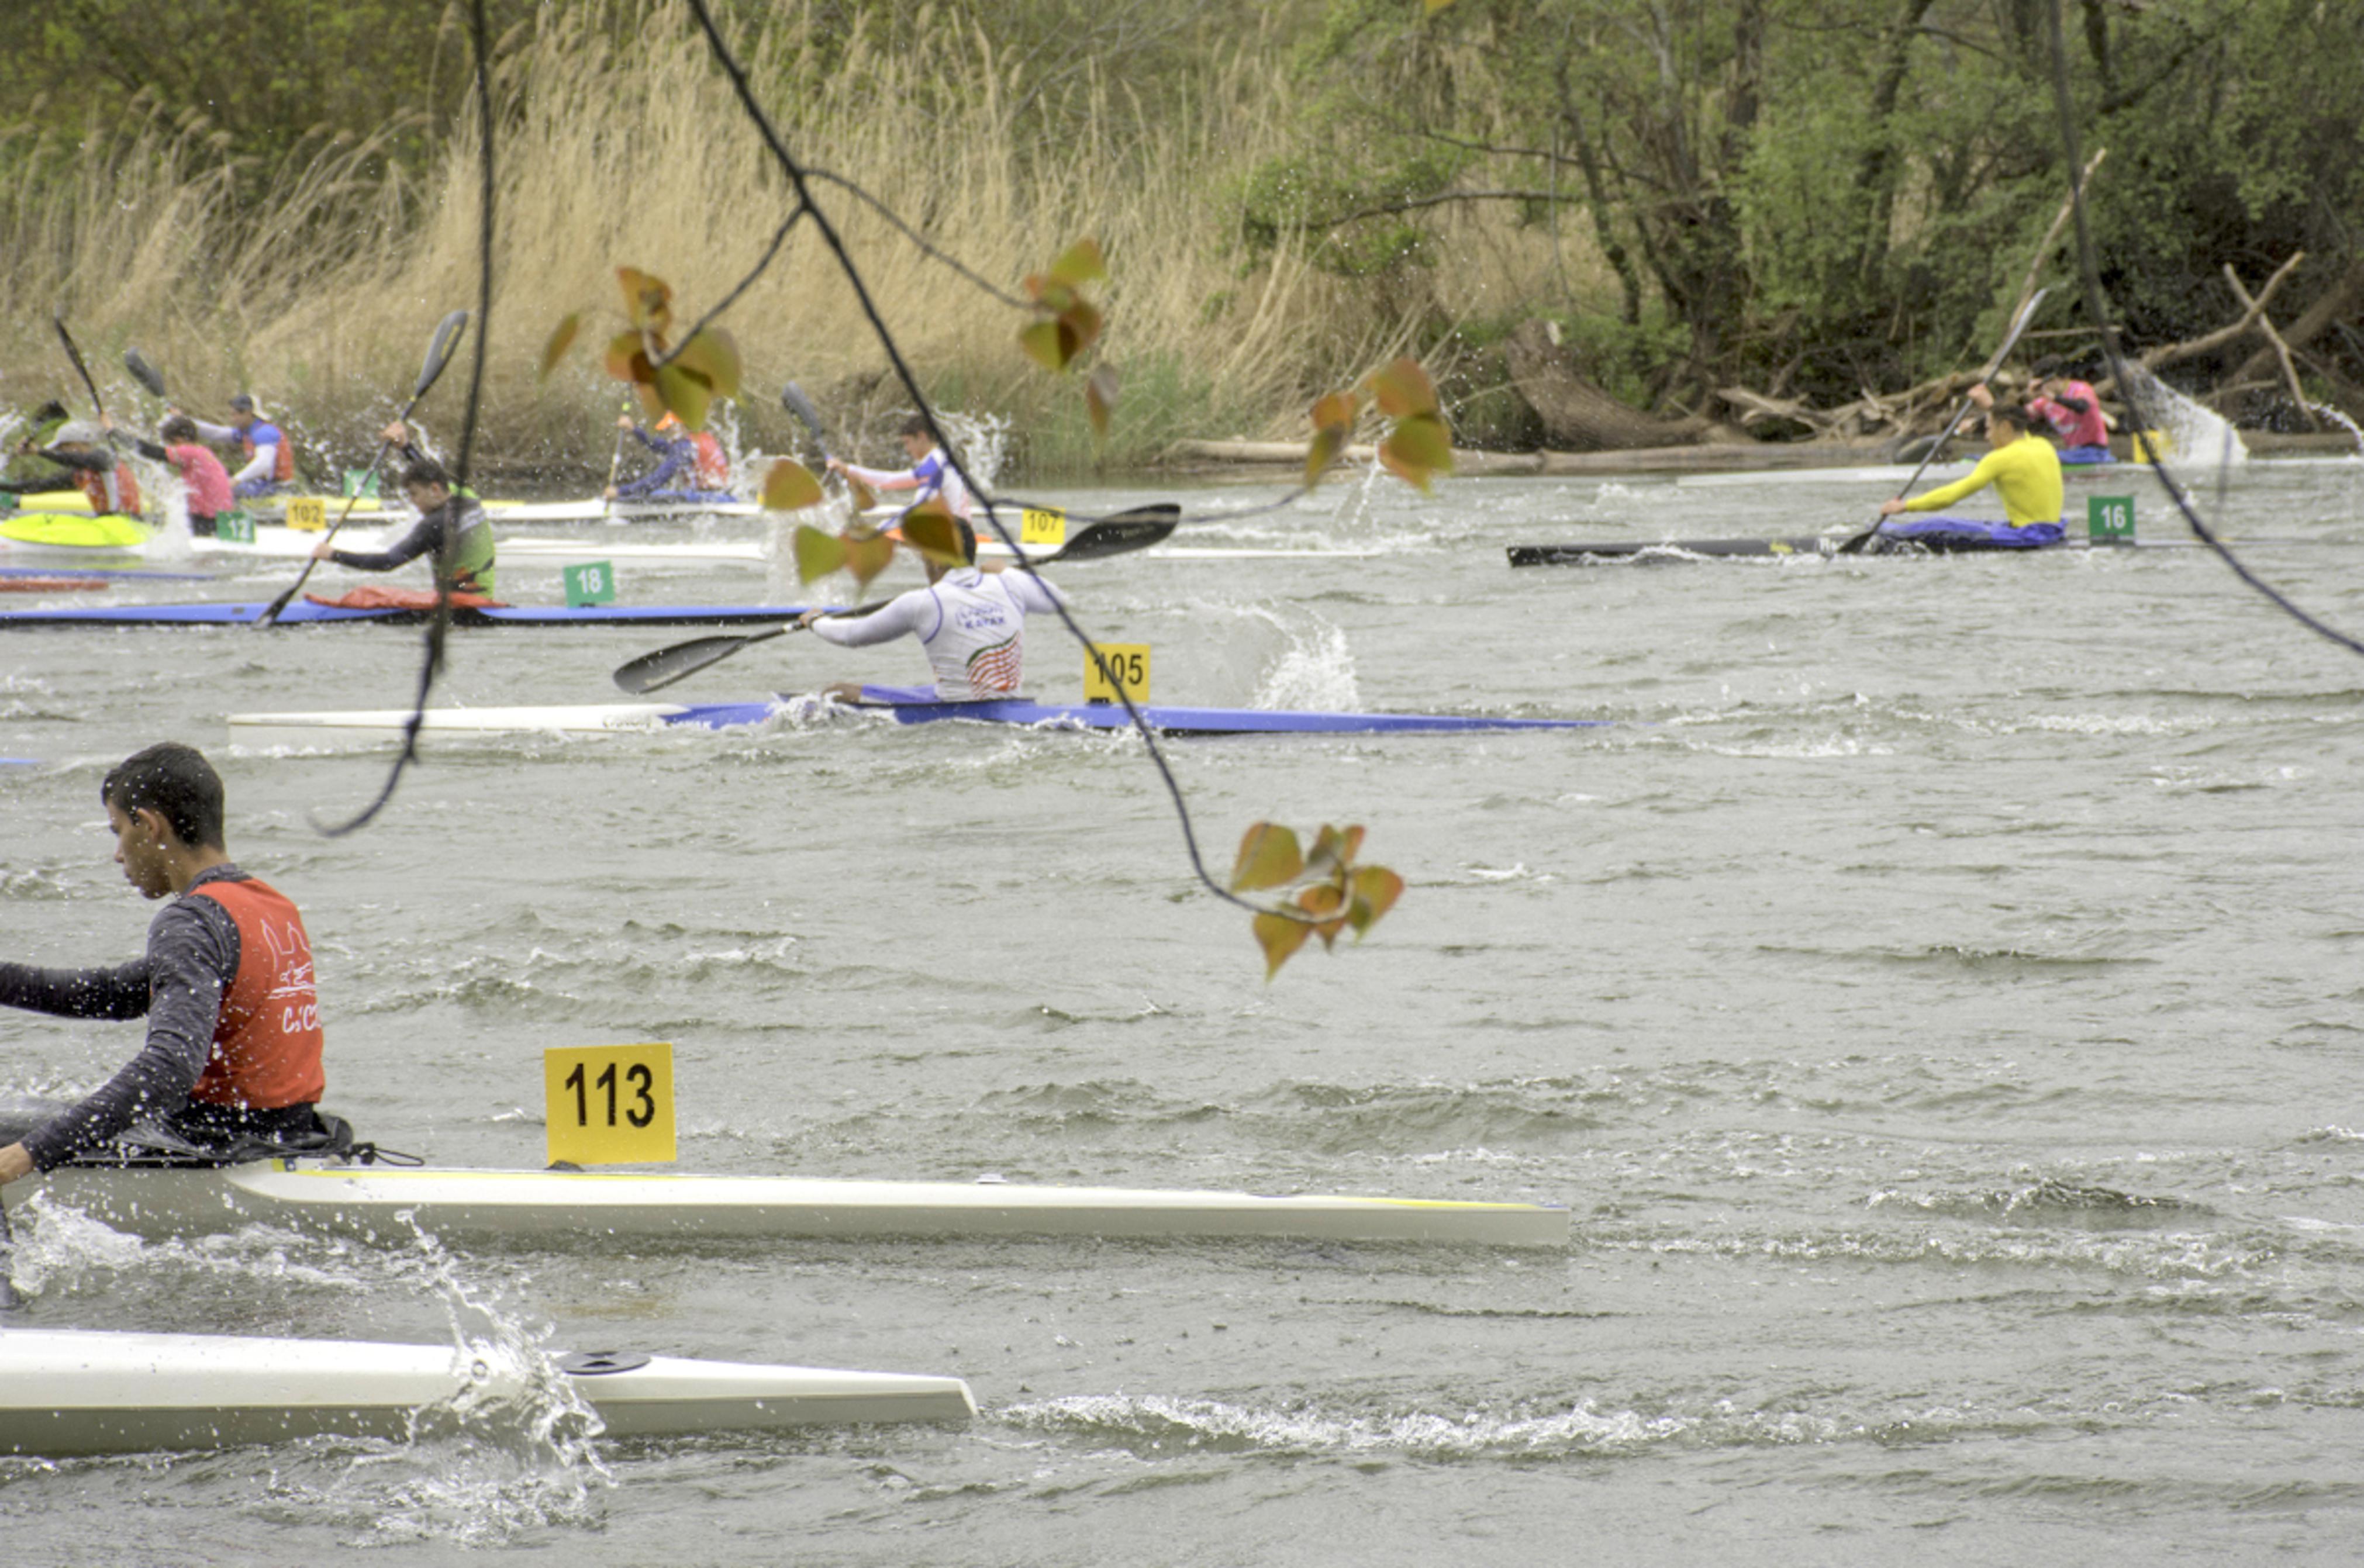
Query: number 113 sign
(609,1105)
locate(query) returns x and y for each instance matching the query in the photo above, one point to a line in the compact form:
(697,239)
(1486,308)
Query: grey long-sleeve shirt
(193,952)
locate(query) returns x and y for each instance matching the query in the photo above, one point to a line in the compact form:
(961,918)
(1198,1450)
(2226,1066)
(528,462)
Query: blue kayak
(306,612)
(1166,719)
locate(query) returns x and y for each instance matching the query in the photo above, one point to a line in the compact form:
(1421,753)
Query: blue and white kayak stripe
(339,731)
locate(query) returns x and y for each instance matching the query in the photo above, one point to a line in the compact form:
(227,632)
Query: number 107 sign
(609,1105)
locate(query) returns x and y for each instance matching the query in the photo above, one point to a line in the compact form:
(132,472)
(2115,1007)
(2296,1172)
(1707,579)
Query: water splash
(2326,411)
(2192,431)
(1316,670)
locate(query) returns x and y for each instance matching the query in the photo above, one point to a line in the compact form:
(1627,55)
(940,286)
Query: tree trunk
(2341,300)
(1577,415)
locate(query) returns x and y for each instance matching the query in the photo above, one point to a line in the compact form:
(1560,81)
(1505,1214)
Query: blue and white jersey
(972,624)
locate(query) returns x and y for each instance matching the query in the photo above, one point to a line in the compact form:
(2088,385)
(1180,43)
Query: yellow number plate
(609,1105)
(307,512)
(1043,525)
(1129,662)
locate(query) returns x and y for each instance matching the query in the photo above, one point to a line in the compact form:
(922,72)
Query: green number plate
(593,583)
(2110,519)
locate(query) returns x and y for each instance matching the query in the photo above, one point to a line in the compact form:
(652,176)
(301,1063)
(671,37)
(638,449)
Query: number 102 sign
(609,1105)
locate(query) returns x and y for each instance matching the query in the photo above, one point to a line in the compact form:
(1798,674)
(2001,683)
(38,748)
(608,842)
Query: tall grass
(316,283)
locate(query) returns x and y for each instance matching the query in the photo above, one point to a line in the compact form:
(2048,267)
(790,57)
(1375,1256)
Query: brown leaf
(1375,890)
(929,530)
(1332,851)
(1336,410)
(561,339)
(1280,937)
(1099,397)
(1403,390)
(1269,858)
(1324,901)
(648,301)
(789,486)
(627,358)
(866,555)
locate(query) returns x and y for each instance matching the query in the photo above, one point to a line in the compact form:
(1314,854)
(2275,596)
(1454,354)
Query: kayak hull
(64,1393)
(306,612)
(381,1204)
(300,732)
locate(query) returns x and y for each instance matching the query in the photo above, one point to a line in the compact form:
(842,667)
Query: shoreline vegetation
(1607,227)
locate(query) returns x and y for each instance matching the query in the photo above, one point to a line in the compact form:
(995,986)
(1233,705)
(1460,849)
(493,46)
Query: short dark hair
(243,403)
(917,425)
(426,471)
(2013,415)
(967,540)
(177,428)
(175,779)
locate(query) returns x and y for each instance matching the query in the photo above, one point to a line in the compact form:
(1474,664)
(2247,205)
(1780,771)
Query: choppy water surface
(1938,1000)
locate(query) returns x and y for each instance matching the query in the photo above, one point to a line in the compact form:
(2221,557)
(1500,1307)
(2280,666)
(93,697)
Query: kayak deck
(67,1391)
(378,1203)
(385,726)
(308,612)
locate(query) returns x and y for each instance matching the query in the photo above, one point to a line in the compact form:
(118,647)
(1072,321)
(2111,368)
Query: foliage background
(1810,198)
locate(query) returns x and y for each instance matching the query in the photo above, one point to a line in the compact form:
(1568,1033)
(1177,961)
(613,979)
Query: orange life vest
(267,1041)
(282,465)
(713,464)
(117,492)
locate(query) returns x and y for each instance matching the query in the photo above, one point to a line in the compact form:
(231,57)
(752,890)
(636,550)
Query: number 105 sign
(609,1105)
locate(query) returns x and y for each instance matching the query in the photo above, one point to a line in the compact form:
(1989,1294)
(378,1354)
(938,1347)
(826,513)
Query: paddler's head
(425,486)
(165,806)
(916,437)
(177,428)
(2006,422)
(78,436)
(242,411)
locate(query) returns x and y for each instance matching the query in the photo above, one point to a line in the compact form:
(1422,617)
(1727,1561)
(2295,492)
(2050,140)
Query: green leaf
(1332,851)
(1079,264)
(1417,448)
(1280,937)
(561,339)
(1045,345)
(789,486)
(1328,442)
(866,555)
(713,355)
(817,554)
(1269,858)
(686,394)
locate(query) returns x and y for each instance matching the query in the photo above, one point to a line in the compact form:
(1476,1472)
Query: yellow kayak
(54,501)
(57,530)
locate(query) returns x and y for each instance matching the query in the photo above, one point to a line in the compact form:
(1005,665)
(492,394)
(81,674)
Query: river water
(1937,998)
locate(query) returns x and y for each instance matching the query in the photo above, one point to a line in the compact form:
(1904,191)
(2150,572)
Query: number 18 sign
(609,1105)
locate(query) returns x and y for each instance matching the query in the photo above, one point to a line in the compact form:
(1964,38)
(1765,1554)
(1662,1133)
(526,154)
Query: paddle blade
(142,371)
(1135,529)
(438,352)
(651,672)
(793,399)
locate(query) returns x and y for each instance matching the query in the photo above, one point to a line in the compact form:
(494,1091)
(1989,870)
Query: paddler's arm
(192,953)
(419,540)
(91,462)
(878,478)
(116,994)
(902,615)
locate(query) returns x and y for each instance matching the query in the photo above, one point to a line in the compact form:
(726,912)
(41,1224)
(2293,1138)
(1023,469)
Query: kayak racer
(2025,472)
(930,474)
(691,468)
(2073,410)
(972,624)
(270,466)
(450,524)
(203,477)
(233,1053)
(81,447)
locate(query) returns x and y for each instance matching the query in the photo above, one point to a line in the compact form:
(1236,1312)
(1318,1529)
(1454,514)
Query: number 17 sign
(609,1105)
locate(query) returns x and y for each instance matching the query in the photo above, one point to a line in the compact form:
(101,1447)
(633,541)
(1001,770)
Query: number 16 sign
(609,1105)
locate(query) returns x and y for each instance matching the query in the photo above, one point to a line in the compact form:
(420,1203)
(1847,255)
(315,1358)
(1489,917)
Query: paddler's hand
(623,421)
(1889,508)
(395,435)
(806,620)
(15,1164)
(610,493)
(1981,395)
(322,551)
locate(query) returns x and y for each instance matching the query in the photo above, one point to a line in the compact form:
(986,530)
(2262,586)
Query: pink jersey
(206,479)
(2073,428)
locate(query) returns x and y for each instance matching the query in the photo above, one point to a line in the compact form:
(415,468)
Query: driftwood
(2341,301)
(2170,353)
(1577,415)
(2281,350)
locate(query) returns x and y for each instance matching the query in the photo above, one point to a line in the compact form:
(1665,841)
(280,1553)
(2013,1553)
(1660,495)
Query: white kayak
(379,1202)
(68,1392)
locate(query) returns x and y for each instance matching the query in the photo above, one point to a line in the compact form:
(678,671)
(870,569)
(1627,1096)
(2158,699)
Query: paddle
(438,354)
(1136,529)
(793,399)
(80,369)
(616,460)
(144,372)
(2018,325)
